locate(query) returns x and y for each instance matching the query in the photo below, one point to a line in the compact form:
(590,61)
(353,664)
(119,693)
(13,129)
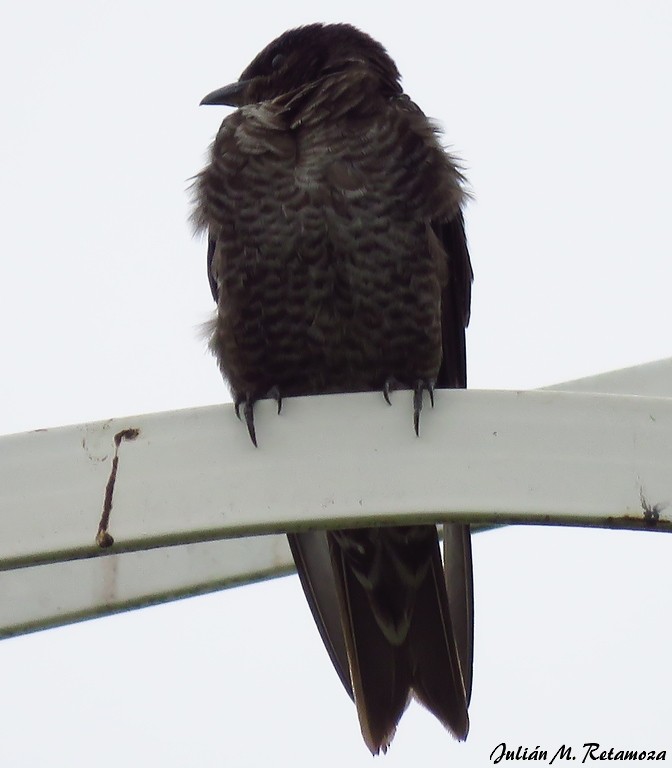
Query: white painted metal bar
(42,596)
(192,475)
(485,456)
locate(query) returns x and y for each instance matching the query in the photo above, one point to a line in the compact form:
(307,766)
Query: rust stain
(103,538)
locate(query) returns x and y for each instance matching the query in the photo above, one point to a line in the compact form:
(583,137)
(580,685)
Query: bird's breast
(326,284)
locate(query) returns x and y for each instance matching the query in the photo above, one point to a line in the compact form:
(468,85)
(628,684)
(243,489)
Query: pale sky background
(561,112)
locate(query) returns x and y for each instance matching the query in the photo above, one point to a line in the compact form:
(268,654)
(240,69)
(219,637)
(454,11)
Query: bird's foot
(274,392)
(248,412)
(388,387)
(421,385)
(248,401)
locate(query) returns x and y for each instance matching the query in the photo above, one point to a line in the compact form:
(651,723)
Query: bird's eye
(277,61)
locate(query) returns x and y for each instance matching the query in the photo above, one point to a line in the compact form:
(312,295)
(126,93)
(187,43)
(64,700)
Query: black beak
(230,95)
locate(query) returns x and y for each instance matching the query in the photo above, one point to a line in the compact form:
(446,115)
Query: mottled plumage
(338,261)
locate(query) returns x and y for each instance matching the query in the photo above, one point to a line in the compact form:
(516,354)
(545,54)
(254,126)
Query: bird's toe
(274,392)
(389,386)
(421,386)
(244,408)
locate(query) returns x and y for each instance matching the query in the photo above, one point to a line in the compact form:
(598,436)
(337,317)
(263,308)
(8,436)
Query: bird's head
(307,55)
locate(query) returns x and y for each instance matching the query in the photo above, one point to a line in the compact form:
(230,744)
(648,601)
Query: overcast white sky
(561,112)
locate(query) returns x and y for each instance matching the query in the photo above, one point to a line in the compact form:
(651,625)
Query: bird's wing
(460,588)
(310,551)
(212,245)
(456,304)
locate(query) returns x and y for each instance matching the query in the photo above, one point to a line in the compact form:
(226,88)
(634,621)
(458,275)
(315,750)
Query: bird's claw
(248,412)
(388,387)
(420,386)
(274,392)
(248,401)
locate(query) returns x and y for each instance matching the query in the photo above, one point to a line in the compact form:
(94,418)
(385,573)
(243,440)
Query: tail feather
(378,670)
(460,588)
(393,623)
(437,678)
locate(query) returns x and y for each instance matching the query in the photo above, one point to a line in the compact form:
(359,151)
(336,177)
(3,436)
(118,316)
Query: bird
(338,261)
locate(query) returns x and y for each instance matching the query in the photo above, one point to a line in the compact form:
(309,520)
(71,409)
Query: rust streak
(103,538)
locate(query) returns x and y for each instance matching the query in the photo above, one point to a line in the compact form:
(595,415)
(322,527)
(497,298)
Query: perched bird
(338,261)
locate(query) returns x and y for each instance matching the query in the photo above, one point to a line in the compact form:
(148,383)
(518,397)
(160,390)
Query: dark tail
(384,614)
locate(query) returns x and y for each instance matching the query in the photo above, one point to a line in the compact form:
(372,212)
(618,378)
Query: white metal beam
(42,596)
(649,380)
(192,476)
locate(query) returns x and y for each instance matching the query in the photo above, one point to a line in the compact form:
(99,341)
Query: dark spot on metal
(125,434)
(651,513)
(103,538)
